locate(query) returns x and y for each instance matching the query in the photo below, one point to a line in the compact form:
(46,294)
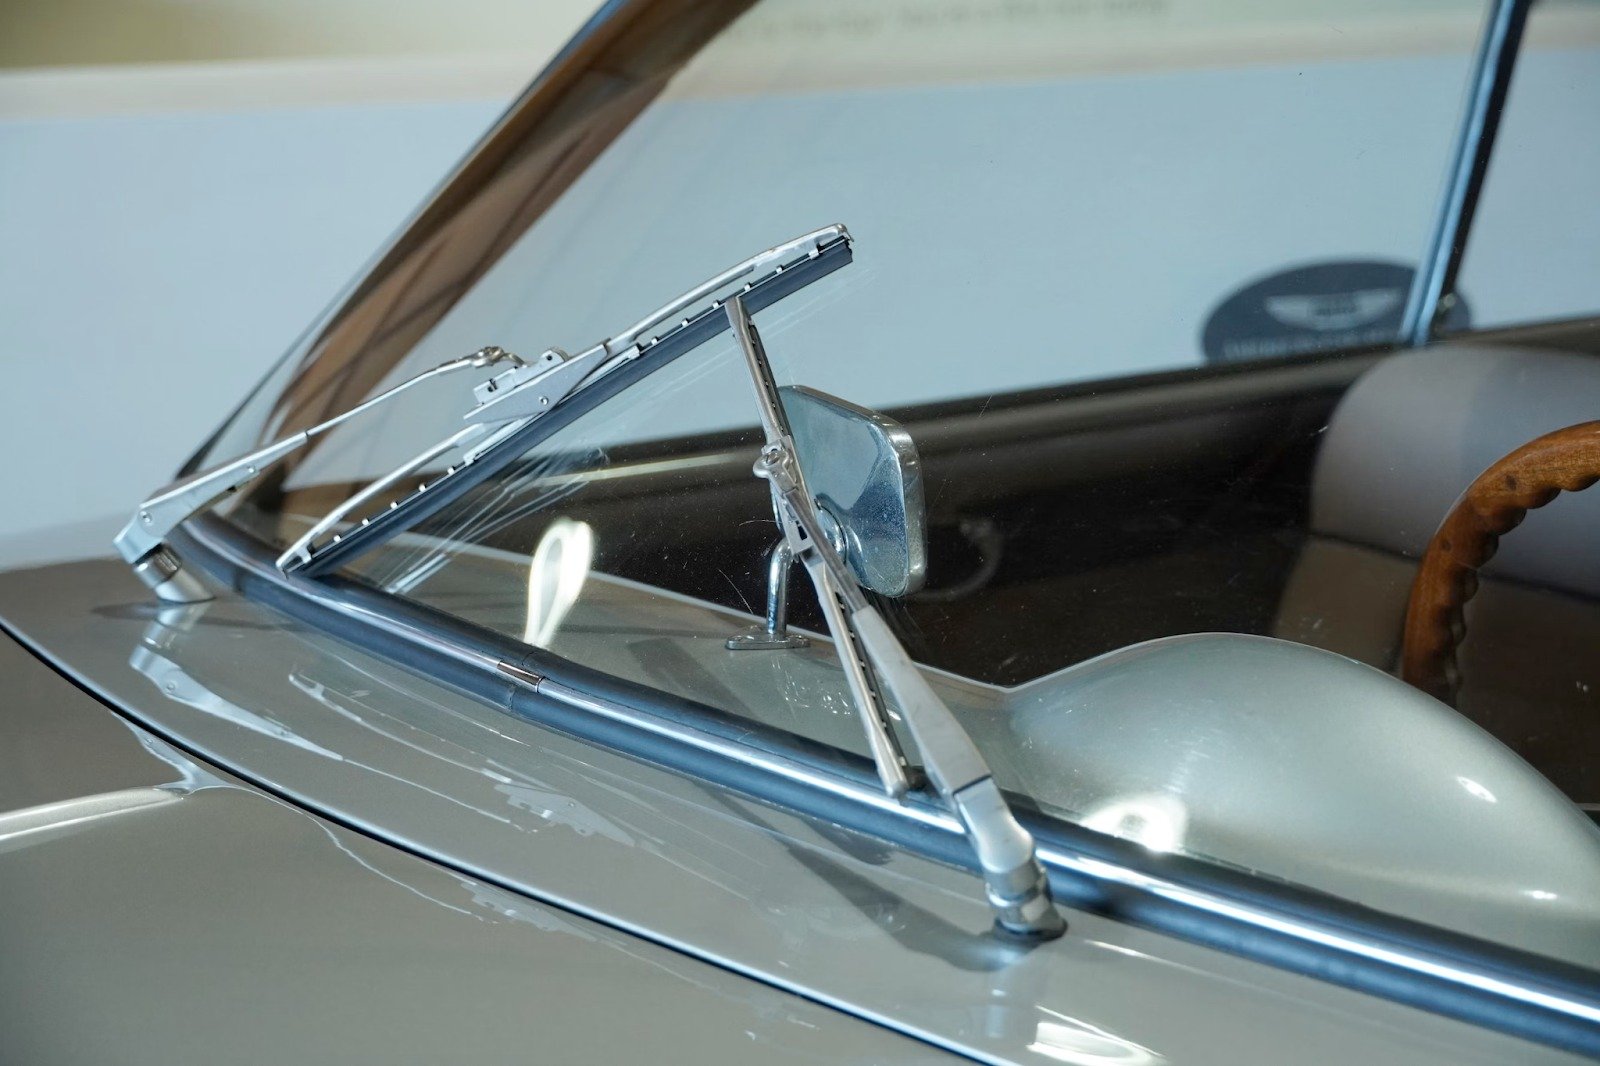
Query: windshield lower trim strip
(1092,868)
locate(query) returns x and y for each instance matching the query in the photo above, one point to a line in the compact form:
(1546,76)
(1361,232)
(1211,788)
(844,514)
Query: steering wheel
(1493,505)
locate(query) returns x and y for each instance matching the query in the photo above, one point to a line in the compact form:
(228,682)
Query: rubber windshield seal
(704,327)
(1289,926)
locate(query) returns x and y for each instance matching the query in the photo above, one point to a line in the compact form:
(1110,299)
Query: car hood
(149,893)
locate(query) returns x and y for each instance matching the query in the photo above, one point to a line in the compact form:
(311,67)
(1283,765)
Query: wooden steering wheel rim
(1567,460)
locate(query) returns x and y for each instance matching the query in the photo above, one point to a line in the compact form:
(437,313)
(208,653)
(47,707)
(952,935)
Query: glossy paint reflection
(1078,1043)
(1156,820)
(192,912)
(20,828)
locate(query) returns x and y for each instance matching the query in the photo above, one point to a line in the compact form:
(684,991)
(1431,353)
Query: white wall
(153,266)
(169,222)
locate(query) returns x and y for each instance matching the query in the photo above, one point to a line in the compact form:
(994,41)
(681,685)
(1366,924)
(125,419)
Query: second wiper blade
(676,329)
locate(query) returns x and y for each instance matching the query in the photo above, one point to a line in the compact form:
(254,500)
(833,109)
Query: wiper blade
(526,392)
(517,408)
(1017,887)
(501,423)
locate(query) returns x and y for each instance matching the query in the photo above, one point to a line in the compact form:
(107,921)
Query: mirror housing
(863,471)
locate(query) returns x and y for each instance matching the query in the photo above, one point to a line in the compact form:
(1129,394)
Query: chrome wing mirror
(867,483)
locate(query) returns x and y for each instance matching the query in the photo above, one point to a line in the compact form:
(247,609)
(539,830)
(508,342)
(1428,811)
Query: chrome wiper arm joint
(142,542)
(1015,882)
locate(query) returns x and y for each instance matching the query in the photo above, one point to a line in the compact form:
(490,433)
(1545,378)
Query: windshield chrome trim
(1483,993)
(1365,947)
(792,771)
(1094,868)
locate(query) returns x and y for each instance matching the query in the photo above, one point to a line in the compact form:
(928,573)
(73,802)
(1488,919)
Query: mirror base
(759,638)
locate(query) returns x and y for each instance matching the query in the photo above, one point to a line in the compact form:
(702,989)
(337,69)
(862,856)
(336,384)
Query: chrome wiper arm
(837,591)
(527,392)
(520,395)
(504,403)
(1017,887)
(142,542)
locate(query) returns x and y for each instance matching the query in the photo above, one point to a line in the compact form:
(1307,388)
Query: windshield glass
(1119,272)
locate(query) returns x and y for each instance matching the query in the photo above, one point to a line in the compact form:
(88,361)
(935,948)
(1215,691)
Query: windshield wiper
(1017,886)
(503,410)
(142,542)
(512,409)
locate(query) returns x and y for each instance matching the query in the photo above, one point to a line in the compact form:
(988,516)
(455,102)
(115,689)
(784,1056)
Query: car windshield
(1123,276)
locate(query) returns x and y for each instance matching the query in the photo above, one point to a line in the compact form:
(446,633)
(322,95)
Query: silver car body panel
(791,902)
(157,910)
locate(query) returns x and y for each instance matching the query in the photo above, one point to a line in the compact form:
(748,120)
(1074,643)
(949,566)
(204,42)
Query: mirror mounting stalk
(773,634)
